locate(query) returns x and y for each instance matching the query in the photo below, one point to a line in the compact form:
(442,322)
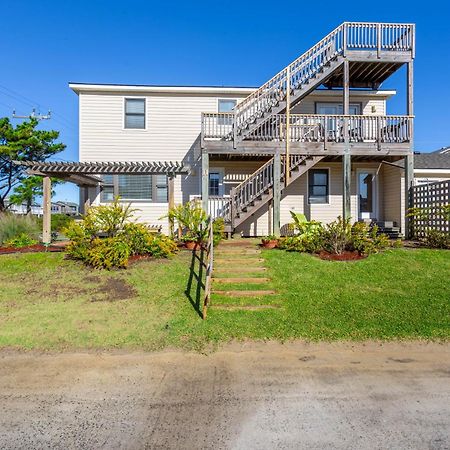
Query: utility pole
(33,115)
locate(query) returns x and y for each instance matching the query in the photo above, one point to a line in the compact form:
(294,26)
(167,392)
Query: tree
(22,143)
(28,189)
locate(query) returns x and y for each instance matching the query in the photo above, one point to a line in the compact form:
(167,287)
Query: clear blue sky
(46,44)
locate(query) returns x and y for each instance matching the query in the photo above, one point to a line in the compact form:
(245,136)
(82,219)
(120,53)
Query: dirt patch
(345,256)
(113,289)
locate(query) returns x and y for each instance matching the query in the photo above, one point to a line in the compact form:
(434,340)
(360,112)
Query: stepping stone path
(240,280)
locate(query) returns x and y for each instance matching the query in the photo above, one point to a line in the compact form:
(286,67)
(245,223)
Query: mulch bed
(31,249)
(345,256)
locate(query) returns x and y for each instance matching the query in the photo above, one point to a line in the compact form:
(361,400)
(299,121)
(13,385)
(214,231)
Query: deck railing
(320,128)
(349,36)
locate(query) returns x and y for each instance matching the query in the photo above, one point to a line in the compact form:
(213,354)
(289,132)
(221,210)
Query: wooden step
(236,293)
(244,307)
(251,280)
(240,269)
(238,261)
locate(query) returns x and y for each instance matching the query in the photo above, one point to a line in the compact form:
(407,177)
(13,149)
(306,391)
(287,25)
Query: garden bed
(32,249)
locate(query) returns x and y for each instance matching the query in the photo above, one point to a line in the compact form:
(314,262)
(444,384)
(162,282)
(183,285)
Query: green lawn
(47,302)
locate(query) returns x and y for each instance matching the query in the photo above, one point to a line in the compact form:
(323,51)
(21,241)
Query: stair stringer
(308,163)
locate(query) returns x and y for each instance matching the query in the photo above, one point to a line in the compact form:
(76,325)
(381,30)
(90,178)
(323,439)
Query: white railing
(322,128)
(217,125)
(348,36)
(219,207)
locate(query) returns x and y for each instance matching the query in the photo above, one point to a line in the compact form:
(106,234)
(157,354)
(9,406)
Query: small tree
(22,143)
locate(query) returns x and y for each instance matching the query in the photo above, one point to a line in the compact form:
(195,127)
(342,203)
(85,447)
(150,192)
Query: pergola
(86,175)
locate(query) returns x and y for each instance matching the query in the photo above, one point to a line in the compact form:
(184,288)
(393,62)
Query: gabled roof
(431,161)
(443,151)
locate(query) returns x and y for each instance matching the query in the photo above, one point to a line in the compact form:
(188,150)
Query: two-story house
(316,138)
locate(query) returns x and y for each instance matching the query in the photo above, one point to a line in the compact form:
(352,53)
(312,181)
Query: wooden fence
(209,266)
(430,199)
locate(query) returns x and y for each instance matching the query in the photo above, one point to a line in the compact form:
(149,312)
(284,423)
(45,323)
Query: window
(135,113)
(135,187)
(132,187)
(226,106)
(214,183)
(318,186)
(107,193)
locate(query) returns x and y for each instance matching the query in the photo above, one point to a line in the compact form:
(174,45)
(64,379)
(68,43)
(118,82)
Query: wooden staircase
(317,66)
(254,192)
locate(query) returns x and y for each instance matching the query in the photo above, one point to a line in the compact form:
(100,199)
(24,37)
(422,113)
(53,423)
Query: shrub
(192,218)
(22,240)
(423,220)
(291,244)
(437,239)
(160,246)
(13,225)
(108,253)
(136,236)
(58,222)
(218,230)
(337,236)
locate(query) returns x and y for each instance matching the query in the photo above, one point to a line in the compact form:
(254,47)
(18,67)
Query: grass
(49,303)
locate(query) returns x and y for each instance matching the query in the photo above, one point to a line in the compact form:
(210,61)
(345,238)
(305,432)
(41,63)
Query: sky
(47,44)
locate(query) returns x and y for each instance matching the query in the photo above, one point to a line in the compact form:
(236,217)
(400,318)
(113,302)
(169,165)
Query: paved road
(252,396)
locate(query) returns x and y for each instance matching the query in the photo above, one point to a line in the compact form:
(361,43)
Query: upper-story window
(226,105)
(135,113)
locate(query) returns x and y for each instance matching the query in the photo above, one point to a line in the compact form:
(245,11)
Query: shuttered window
(135,113)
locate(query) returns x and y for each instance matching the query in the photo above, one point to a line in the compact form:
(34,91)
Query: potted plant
(191,241)
(269,241)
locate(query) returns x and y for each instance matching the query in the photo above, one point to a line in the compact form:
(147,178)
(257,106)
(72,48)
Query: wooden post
(171,199)
(346,159)
(276,193)
(288,125)
(205,180)
(86,200)
(47,211)
(409,159)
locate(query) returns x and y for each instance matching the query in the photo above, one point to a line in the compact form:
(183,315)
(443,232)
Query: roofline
(88,87)
(435,171)
(142,88)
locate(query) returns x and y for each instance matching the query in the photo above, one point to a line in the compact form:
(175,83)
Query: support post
(171,199)
(409,159)
(46,206)
(288,125)
(86,200)
(205,180)
(276,193)
(346,159)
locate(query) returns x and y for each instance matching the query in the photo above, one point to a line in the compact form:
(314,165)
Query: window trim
(124,113)
(327,203)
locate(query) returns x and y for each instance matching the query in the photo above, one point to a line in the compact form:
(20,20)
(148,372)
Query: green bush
(218,230)
(58,222)
(160,246)
(22,240)
(436,239)
(192,218)
(337,236)
(13,225)
(108,253)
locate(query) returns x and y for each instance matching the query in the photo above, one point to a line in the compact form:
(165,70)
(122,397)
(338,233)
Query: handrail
(209,266)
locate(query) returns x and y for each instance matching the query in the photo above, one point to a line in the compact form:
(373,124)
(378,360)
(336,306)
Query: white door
(367,194)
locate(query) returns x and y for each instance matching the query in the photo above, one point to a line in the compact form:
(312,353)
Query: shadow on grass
(196,284)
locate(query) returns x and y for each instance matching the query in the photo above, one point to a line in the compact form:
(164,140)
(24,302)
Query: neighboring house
(341,143)
(432,167)
(36,210)
(67,208)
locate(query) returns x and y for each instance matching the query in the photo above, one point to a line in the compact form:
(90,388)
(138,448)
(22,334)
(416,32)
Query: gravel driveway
(246,396)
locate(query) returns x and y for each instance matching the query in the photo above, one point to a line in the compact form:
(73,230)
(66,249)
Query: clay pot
(273,243)
(192,245)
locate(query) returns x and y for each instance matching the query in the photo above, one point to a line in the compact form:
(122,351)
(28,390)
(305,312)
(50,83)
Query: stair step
(236,293)
(240,269)
(250,280)
(239,261)
(244,307)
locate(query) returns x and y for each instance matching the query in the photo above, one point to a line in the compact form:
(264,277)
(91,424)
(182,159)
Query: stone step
(236,293)
(241,280)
